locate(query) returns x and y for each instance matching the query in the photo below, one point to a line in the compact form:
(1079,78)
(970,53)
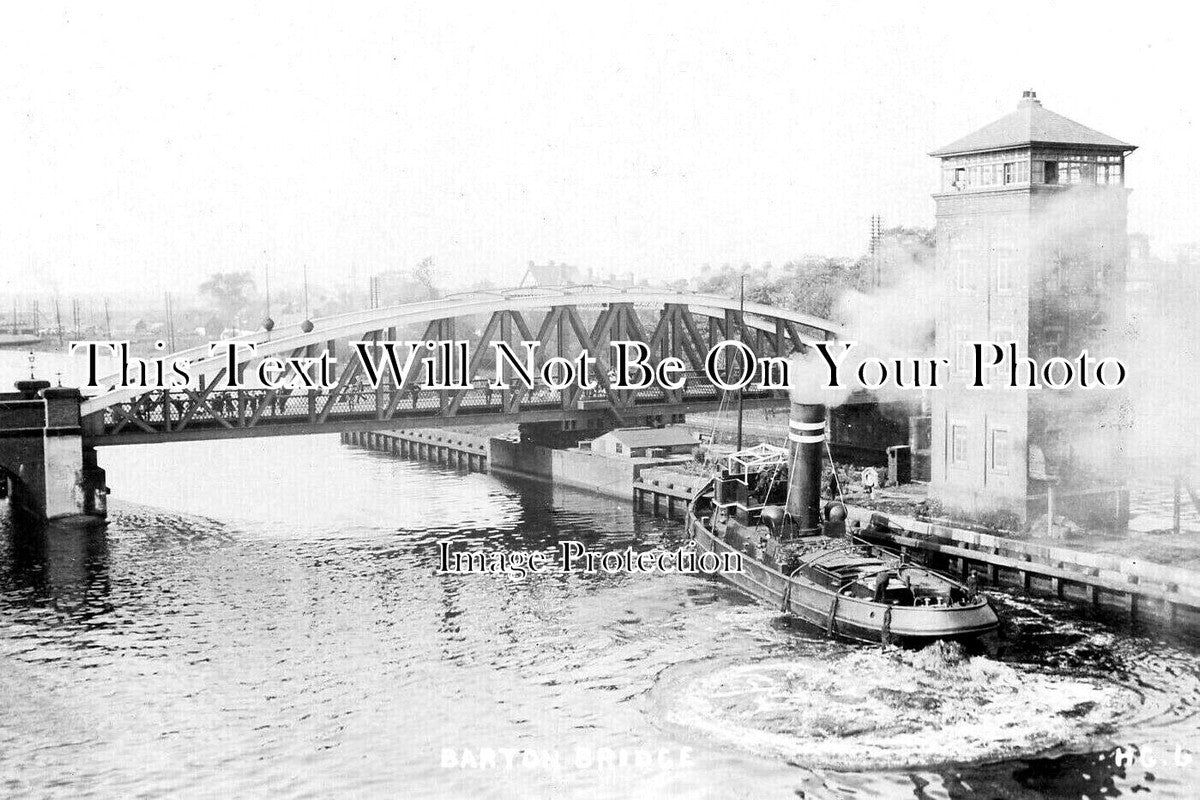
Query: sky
(146,146)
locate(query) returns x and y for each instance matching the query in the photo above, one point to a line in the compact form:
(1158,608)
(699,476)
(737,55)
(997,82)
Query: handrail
(294,336)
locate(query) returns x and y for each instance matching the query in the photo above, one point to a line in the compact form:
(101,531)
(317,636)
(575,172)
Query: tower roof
(1030,124)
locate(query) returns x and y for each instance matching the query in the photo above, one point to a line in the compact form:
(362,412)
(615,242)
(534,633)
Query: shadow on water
(61,566)
(1086,775)
(547,515)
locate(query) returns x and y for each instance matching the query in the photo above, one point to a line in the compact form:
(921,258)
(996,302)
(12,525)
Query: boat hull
(845,616)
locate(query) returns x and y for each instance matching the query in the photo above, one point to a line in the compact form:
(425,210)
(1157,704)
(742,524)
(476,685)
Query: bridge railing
(174,411)
(564,324)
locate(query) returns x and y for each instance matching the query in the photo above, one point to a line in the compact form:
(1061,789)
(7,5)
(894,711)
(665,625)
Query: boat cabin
(750,480)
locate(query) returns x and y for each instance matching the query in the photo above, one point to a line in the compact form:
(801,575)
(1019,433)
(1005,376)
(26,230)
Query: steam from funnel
(894,320)
(808,380)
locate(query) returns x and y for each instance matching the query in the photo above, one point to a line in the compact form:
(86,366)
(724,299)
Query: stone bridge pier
(47,472)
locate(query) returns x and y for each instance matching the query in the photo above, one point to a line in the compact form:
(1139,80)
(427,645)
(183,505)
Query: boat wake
(864,709)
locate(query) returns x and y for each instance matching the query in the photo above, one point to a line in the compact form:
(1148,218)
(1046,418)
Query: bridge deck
(182,416)
(565,324)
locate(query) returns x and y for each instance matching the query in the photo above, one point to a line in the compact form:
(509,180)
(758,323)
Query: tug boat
(764,504)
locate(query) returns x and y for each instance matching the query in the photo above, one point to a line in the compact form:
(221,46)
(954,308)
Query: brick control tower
(1032,247)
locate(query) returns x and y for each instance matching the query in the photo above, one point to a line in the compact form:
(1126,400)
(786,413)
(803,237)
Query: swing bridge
(564,322)
(48,436)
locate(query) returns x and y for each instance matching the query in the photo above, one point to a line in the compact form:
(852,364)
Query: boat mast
(741,338)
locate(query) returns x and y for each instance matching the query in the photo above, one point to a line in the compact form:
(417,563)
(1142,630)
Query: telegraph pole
(170,322)
(741,337)
(876,255)
(1175,521)
(58,320)
(307,315)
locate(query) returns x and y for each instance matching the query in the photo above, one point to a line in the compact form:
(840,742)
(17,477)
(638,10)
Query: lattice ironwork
(563,321)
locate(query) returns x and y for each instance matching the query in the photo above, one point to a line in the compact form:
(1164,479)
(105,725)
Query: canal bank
(1133,588)
(451,448)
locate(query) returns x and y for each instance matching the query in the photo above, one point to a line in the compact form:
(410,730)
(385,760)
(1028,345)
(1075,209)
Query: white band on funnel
(806,426)
(795,437)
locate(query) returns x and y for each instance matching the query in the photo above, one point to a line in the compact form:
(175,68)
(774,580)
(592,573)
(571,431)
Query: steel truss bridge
(565,320)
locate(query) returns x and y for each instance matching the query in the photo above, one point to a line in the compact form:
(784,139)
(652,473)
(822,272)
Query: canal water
(265,618)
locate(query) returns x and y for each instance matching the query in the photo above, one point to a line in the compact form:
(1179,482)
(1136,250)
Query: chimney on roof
(1029,98)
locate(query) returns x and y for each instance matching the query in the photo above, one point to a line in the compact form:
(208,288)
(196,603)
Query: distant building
(1144,269)
(551,274)
(1146,279)
(645,443)
(1031,246)
(1151,278)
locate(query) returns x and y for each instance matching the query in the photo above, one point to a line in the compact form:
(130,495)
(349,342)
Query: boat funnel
(806,440)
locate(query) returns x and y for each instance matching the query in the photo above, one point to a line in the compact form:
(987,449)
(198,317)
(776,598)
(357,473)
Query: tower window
(1052,342)
(967,256)
(1108,174)
(999,450)
(958,445)
(1005,258)
(1051,172)
(1016,172)
(962,349)
(1000,336)
(1070,172)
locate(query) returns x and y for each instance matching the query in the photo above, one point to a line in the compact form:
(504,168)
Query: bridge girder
(685,326)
